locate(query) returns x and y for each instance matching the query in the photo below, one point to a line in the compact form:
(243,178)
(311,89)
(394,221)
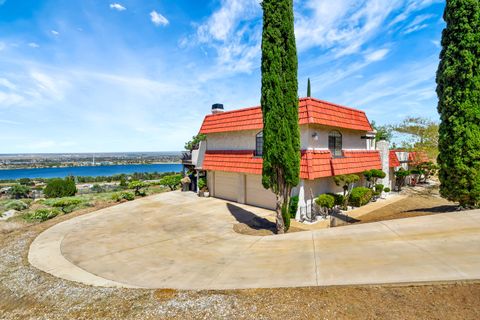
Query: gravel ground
(27,293)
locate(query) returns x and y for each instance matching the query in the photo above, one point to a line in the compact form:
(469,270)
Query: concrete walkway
(177,240)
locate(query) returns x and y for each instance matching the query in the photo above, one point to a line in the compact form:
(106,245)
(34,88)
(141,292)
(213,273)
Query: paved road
(177,240)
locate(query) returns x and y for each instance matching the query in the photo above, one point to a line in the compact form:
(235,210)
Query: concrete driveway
(177,240)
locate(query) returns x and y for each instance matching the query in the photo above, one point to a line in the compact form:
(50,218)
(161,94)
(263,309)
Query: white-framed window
(259,144)
(335,143)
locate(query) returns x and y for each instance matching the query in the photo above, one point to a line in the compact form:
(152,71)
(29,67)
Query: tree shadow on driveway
(250,219)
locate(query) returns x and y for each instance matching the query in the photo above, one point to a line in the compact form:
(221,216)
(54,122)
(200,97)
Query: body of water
(93,171)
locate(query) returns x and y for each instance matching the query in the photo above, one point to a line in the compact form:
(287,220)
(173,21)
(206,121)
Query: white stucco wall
(236,140)
(245,140)
(403,158)
(351,139)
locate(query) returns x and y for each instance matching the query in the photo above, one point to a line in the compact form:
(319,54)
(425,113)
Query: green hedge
(339,198)
(360,196)
(325,201)
(129,196)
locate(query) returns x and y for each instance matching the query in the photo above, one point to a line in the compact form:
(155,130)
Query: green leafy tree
(137,187)
(194,143)
(422,134)
(171,181)
(279,100)
(59,188)
(383,132)
(458,89)
(19,191)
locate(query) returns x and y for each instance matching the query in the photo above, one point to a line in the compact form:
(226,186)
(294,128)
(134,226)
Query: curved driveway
(177,240)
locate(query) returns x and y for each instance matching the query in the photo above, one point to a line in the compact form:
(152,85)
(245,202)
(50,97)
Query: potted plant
(206,193)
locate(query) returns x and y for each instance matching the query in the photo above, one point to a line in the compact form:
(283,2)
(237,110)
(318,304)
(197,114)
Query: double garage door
(243,188)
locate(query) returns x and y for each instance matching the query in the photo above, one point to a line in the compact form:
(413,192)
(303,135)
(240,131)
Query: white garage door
(257,195)
(226,185)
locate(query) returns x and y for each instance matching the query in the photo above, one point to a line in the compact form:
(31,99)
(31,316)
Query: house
(335,140)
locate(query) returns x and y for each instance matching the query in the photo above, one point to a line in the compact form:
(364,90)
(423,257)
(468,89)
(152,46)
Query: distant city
(59,160)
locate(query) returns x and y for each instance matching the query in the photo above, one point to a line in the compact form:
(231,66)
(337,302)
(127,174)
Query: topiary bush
(59,188)
(293,206)
(360,196)
(128,196)
(42,214)
(17,205)
(339,198)
(387,190)
(326,201)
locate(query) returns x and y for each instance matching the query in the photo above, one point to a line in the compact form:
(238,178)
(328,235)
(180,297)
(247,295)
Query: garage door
(257,195)
(226,185)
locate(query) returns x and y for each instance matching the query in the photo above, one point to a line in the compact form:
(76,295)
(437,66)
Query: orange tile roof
(233,161)
(393,159)
(356,161)
(313,164)
(417,157)
(311,111)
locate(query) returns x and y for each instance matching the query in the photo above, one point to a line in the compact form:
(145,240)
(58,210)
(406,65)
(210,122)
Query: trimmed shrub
(387,190)
(339,198)
(67,205)
(16,205)
(42,214)
(326,201)
(97,188)
(129,196)
(360,196)
(293,206)
(59,188)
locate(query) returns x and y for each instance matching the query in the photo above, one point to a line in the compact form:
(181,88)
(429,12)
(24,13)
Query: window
(259,144)
(335,143)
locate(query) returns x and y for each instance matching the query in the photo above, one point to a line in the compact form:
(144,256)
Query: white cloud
(33,45)
(158,19)
(377,55)
(117,6)
(55,33)
(7,84)
(417,23)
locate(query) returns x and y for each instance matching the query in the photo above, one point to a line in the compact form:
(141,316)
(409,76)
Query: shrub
(202,182)
(387,190)
(171,181)
(19,191)
(373,175)
(339,198)
(360,196)
(400,177)
(129,196)
(59,188)
(16,205)
(67,205)
(326,201)
(293,206)
(97,188)
(42,214)
(26,182)
(138,186)
(379,188)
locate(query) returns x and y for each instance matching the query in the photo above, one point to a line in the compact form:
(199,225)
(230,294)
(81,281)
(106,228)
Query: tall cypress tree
(458,89)
(309,90)
(281,133)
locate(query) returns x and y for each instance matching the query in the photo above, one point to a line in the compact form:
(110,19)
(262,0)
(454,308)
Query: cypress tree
(309,91)
(458,89)
(279,100)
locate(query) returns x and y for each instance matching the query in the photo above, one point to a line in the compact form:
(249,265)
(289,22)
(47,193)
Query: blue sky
(133,75)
